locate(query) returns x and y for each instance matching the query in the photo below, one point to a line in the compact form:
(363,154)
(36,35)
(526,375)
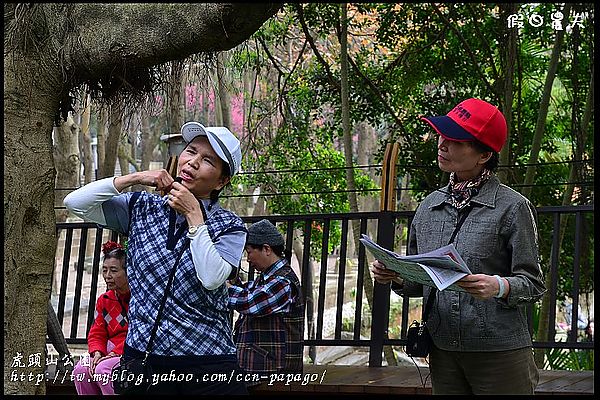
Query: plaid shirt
(195,320)
(269,342)
(268,294)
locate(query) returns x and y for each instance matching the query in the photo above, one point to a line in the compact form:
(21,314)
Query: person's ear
(223,182)
(485,157)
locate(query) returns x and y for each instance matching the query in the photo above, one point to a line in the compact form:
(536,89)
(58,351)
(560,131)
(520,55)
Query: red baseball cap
(473,119)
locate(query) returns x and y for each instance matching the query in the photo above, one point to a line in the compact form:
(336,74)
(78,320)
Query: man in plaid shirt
(269,332)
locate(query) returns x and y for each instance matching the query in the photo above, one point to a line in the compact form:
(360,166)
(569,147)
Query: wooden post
(388,178)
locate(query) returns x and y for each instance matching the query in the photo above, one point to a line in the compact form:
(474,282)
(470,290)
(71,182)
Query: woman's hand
(184,202)
(482,286)
(384,275)
(98,358)
(160,179)
(94,361)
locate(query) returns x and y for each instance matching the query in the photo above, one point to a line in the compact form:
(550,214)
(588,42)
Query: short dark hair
(279,250)
(492,163)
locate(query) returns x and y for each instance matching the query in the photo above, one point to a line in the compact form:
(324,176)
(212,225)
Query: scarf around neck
(461,192)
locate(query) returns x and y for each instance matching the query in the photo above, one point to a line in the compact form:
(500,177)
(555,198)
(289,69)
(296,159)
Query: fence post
(385,238)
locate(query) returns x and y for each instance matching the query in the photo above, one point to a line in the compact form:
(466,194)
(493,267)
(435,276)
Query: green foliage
(412,60)
(569,359)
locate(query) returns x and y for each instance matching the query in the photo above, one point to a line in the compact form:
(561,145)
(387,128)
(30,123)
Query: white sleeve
(86,202)
(211,268)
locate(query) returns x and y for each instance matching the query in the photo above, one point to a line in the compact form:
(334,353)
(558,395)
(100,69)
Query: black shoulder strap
(132,201)
(432,294)
(164,298)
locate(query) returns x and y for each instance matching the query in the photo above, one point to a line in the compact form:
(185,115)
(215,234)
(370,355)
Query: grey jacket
(498,237)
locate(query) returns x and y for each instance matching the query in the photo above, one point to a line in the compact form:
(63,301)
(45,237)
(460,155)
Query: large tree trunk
(51,49)
(175,97)
(29,223)
(150,140)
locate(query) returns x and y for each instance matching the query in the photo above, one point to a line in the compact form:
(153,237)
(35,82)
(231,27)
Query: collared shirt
(268,294)
(499,237)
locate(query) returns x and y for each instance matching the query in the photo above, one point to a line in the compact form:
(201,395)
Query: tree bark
(101,120)
(115,127)
(67,161)
(85,143)
(175,96)
(50,50)
(223,94)
(29,221)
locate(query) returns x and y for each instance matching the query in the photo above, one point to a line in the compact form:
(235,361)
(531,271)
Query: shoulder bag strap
(164,300)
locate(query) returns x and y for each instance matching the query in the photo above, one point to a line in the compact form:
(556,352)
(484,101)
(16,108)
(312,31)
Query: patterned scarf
(461,192)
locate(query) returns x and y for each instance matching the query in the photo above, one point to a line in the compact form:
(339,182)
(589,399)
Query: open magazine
(440,268)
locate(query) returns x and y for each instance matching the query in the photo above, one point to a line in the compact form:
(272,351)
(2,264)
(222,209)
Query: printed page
(444,278)
(441,270)
(444,257)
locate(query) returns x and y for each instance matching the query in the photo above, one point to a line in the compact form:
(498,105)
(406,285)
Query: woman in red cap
(481,341)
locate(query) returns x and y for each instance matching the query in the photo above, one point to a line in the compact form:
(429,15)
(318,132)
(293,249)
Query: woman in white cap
(186,231)
(481,340)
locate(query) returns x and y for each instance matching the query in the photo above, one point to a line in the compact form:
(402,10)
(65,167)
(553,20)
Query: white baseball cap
(223,142)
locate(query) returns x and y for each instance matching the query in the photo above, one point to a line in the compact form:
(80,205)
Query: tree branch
(376,91)
(311,42)
(468,50)
(485,42)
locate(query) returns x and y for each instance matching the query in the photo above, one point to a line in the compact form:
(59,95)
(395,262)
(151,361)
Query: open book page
(440,268)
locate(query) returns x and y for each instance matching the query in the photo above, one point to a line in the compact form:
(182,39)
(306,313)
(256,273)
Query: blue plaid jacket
(195,321)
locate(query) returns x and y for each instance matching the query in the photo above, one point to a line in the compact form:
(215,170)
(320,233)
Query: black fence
(340,311)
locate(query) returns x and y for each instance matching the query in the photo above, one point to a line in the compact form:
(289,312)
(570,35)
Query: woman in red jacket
(107,334)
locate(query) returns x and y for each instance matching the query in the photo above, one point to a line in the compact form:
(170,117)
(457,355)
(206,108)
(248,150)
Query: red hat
(473,119)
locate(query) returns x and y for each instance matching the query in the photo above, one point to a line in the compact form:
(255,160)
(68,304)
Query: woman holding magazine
(481,342)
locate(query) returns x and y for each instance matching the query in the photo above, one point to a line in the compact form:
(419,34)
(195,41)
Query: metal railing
(331,272)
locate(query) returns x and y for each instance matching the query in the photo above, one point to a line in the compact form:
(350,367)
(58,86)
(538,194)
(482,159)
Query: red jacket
(110,323)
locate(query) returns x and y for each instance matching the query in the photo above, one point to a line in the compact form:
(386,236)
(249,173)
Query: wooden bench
(352,379)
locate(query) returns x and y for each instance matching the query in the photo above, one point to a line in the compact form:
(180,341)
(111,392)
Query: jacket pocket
(480,238)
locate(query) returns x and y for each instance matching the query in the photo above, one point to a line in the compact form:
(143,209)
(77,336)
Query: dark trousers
(173,375)
(489,372)
(206,379)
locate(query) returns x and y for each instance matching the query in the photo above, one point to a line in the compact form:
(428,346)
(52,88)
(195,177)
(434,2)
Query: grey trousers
(489,372)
